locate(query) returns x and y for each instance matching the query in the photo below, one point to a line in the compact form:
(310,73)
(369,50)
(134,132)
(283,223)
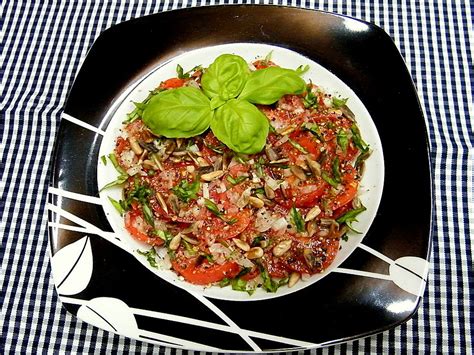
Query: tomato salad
(246,221)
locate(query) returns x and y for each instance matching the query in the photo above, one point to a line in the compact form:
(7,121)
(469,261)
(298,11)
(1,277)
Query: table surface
(43,46)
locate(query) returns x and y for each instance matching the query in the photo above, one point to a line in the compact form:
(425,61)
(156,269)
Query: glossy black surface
(338,308)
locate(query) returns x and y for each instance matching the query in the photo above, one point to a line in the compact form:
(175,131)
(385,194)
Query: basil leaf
(297,220)
(178,113)
(240,126)
(225,77)
(268,85)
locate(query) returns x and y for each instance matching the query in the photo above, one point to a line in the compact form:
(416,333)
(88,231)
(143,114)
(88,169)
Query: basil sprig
(225,104)
(180,113)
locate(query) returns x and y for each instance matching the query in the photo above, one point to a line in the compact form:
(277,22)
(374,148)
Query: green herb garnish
(226,103)
(186,191)
(342,140)
(297,220)
(338,103)
(237,180)
(350,217)
(269,284)
(150,256)
(329,179)
(335,170)
(117,205)
(357,139)
(298,146)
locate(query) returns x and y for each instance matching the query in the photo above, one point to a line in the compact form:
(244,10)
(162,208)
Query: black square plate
(378,287)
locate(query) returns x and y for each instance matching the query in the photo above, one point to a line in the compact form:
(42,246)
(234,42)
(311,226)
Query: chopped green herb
(216,148)
(342,140)
(237,180)
(345,237)
(120,180)
(241,285)
(208,257)
(297,220)
(211,206)
(329,179)
(358,141)
(150,256)
(259,167)
(181,73)
(148,214)
(164,235)
(350,216)
(224,282)
(298,146)
(302,69)
(335,170)
(260,191)
(189,248)
(314,129)
(269,284)
(104,160)
(186,191)
(338,103)
(117,205)
(115,163)
(310,100)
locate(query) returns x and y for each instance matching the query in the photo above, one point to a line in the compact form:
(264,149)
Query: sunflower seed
(282,247)
(212,175)
(241,244)
(255,253)
(312,213)
(294,278)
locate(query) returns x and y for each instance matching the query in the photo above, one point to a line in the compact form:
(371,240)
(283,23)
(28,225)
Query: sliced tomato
(305,199)
(173,83)
(204,273)
(307,141)
(120,145)
(332,247)
(251,275)
(136,226)
(350,189)
(220,229)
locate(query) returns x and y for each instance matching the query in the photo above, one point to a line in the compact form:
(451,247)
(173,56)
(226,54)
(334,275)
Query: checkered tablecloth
(43,44)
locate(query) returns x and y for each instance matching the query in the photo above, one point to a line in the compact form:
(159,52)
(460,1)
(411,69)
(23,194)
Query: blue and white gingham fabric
(43,44)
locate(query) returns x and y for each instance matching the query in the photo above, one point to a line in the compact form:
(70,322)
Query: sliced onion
(280,224)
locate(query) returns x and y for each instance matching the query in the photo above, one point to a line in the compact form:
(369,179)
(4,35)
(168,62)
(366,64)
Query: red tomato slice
(135,225)
(251,275)
(173,83)
(307,141)
(219,229)
(204,273)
